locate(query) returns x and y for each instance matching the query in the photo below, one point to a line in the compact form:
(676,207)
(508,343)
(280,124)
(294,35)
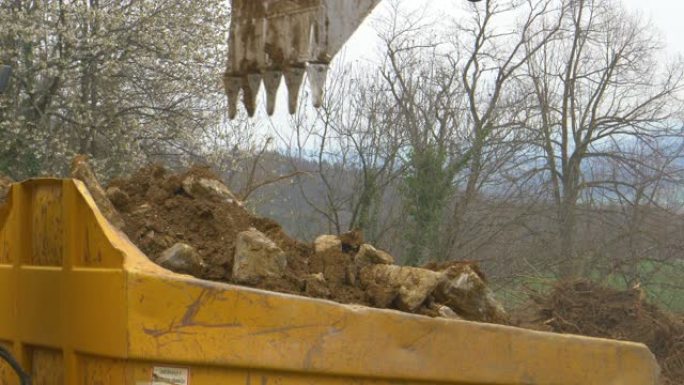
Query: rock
(181,258)
(81,170)
(326,242)
(118,197)
(351,241)
(350,275)
(5,183)
(148,237)
(446,312)
(369,255)
(257,257)
(405,287)
(468,295)
(194,186)
(142,209)
(315,285)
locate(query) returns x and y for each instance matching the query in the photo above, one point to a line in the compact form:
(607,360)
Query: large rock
(81,170)
(327,242)
(198,186)
(369,255)
(405,287)
(257,257)
(315,285)
(469,296)
(366,256)
(181,258)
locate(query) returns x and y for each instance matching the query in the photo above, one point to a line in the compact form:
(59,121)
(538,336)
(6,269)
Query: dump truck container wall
(80,304)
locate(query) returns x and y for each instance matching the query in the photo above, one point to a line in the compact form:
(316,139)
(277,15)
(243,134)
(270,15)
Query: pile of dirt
(158,213)
(585,308)
(190,222)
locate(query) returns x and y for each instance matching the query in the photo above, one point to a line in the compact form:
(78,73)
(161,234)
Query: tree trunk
(568,266)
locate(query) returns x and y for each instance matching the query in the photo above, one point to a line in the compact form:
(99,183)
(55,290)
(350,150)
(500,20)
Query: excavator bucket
(275,39)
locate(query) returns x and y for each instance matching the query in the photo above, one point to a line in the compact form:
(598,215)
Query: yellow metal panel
(47,224)
(102,371)
(8,298)
(85,305)
(6,243)
(89,239)
(96,311)
(40,302)
(208,375)
(51,237)
(48,367)
(8,225)
(191,321)
(6,373)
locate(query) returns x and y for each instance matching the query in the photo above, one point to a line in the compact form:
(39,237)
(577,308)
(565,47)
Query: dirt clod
(117,197)
(351,241)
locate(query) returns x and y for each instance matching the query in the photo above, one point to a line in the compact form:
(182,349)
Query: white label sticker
(162,375)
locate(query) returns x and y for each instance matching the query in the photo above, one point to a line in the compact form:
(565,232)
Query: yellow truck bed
(80,304)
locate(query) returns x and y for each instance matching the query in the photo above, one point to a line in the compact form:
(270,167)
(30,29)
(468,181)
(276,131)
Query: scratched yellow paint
(80,304)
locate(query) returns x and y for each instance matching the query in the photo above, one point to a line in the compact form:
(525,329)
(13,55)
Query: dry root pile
(586,308)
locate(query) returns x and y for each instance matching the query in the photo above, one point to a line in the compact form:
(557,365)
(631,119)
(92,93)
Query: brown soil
(586,308)
(158,213)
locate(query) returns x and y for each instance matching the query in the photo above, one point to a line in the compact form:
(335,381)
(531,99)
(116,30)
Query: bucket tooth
(275,34)
(232,85)
(293,80)
(250,91)
(271,83)
(317,73)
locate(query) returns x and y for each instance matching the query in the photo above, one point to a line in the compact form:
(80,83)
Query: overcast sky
(666,15)
(363,46)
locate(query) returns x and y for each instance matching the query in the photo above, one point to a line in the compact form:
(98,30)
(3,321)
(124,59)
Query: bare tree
(597,88)
(491,72)
(349,151)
